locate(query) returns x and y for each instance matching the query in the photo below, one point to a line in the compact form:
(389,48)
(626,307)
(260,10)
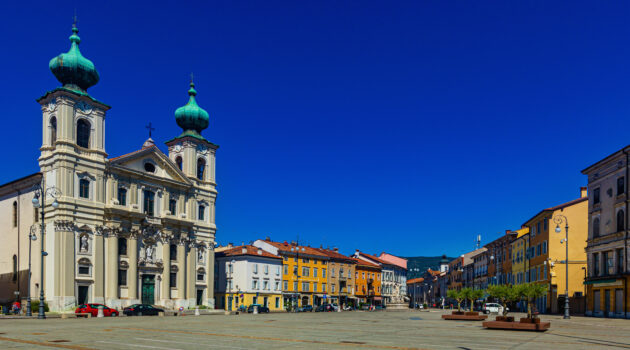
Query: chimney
(230,245)
(583,192)
(244,250)
(268,239)
(259,251)
(336,249)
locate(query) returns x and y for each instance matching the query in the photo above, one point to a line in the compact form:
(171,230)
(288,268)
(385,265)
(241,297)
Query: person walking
(16,307)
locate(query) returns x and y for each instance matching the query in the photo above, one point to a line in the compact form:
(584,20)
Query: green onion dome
(72,69)
(192,118)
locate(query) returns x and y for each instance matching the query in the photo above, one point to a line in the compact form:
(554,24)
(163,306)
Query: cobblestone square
(346,330)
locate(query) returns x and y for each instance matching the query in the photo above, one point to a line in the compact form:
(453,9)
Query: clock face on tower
(84,107)
(177,148)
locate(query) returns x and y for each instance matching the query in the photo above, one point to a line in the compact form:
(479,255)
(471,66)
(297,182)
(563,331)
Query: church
(137,228)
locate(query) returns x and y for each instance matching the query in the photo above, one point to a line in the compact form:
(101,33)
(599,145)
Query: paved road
(346,330)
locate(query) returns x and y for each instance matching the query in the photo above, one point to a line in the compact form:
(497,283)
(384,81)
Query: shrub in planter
(35,306)
(457,295)
(530,292)
(425,306)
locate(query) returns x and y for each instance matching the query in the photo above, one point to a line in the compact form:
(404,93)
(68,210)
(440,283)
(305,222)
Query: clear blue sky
(406,127)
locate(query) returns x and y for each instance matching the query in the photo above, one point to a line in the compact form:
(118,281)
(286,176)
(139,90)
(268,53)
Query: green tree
(456,295)
(502,293)
(466,294)
(531,292)
(476,294)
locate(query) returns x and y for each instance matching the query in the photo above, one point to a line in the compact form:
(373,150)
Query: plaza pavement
(346,330)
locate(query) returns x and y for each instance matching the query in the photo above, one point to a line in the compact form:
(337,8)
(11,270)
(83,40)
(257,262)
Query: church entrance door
(199,296)
(83,293)
(148,289)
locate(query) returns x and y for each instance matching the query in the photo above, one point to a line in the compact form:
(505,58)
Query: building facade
(395,281)
(546,254)
(248,275)
(520,264)
(367,279)
(136,228)
(341,272)
(304,275)
(499,263)
(607,246)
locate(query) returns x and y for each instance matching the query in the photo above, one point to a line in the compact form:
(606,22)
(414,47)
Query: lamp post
(41,192)
(559,219)
(32,236)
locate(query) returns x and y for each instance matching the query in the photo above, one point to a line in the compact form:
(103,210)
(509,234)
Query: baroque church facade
(138,228)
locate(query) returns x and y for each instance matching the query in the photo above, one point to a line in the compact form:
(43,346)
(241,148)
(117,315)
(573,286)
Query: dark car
(261,309)
(93,309)
(141,310)
(305,308)
(325,308)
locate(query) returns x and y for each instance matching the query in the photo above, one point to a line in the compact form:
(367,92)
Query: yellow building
(519,248)
(304,272)
(546,254)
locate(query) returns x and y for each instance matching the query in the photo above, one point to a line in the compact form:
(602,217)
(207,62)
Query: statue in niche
(148,252)
(84,246)
(200,255)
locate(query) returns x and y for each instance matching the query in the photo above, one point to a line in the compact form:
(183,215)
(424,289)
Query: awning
(606,283)
(378,298)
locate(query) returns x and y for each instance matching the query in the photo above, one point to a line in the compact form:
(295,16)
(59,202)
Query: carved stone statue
(200,254)
(84,247)
(148,252)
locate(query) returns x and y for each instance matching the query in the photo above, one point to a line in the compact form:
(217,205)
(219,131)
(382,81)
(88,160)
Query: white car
(493,308)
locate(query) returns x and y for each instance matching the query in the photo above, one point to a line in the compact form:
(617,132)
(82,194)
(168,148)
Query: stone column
(210,276)
(191,276)
(111,271)
(181,273)
(132,273)
(166,274)
(99,270)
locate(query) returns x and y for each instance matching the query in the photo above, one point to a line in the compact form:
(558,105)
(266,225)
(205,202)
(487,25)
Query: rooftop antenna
(478,241)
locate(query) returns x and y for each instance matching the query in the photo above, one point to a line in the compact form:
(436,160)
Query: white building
(247,275)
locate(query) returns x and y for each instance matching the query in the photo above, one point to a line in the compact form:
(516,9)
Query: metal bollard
(255,309)
(197,311)
(100,311)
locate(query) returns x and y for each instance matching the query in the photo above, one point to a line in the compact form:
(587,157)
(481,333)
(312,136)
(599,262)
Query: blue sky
(407,127)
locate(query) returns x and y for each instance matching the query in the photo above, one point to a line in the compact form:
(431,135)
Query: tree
(531,292)
(466,294)
(476,294)
(456,295)
(501,293)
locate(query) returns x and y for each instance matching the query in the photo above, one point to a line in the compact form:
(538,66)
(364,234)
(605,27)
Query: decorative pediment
(152,162)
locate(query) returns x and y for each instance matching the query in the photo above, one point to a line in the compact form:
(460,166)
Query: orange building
(367,279)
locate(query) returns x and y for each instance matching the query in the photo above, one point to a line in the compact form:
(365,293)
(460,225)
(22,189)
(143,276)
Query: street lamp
(559,219)
(41,192)
(32,236)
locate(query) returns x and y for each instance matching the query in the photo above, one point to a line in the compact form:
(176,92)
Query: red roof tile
(249,250)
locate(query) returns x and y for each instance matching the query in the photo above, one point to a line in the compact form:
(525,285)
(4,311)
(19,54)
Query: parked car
(325,308)
(93,309)
(141,310)
(305,308)
(492,308)
(261,309)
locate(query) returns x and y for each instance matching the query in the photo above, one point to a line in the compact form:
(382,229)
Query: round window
(149,167)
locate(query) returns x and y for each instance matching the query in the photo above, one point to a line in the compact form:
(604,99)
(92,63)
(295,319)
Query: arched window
(15,215)
(179,162)
(15,268)
(595,227)
(621,221)
(83,133)
(122,246)
(201,168)
(53,131)
(173,252)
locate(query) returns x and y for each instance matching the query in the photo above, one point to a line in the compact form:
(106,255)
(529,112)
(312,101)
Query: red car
(93,309)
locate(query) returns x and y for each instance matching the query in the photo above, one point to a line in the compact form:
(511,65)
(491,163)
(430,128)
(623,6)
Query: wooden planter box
(505,318)
(525,324)
(464,316)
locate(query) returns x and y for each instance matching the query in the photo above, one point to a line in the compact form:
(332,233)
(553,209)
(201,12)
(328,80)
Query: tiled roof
(415,280)
(249,250)
(286,247)
(335,255)
(393,260)
(132,153)
(361,262)
(558,207)
(373,258)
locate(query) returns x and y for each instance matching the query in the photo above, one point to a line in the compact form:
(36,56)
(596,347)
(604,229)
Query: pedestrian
(16,307)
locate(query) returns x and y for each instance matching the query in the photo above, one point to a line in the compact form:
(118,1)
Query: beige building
(607,244)
(135,228)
